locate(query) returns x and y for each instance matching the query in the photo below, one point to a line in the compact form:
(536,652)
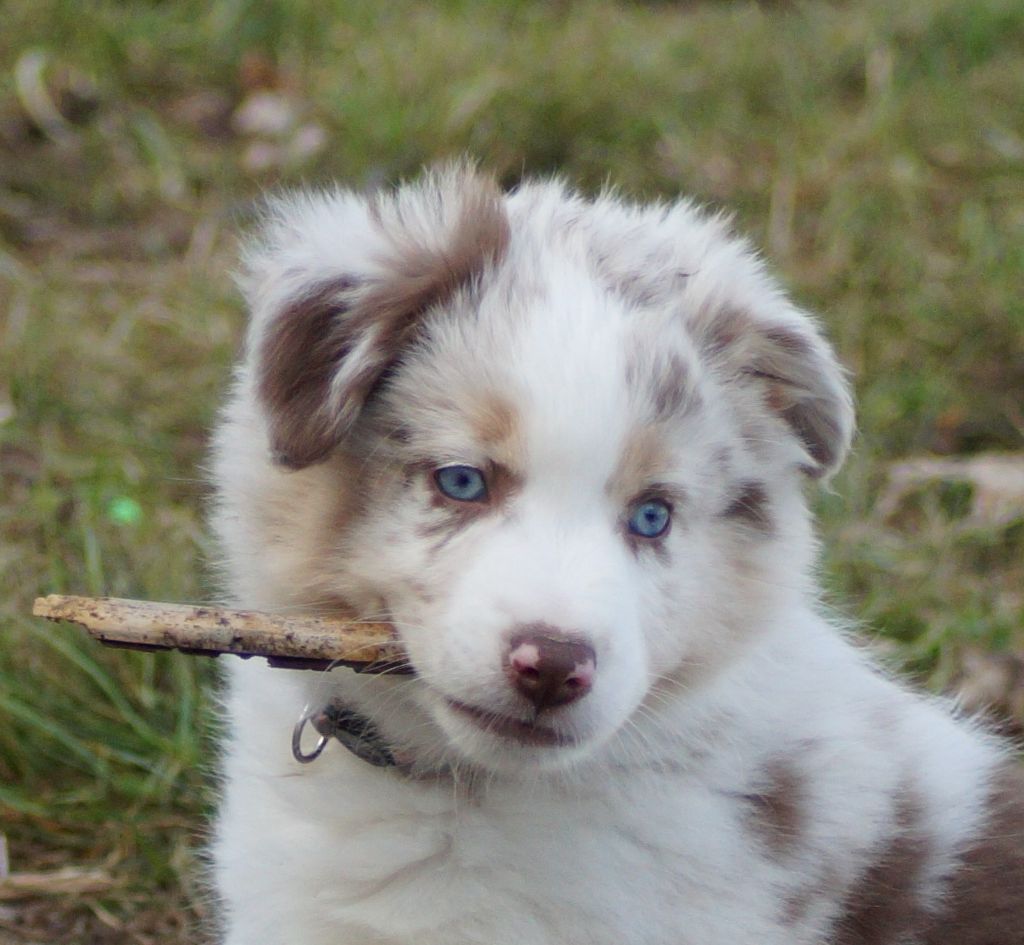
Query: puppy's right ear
(340,287)
(299,357)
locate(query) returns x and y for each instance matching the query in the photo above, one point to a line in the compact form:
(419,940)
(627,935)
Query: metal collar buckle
(356,732)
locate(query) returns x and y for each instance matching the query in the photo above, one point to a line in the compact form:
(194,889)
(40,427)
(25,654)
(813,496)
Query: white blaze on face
(555,552)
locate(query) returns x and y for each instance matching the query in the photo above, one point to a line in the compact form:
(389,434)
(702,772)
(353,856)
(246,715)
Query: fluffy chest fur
(562,445)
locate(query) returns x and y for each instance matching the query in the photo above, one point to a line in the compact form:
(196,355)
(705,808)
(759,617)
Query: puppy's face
(534,514)
(572,477)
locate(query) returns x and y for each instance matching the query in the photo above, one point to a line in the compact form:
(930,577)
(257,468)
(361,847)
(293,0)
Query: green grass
(876,152)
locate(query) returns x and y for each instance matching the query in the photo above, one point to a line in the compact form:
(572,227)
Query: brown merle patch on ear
(311,391)
(298,357)
(885,905)
(751,506)
(801,382)
(420,277)
(776,813)
(985,898)
(720,329)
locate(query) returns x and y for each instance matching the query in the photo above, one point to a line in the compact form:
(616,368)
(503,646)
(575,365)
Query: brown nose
(549,668)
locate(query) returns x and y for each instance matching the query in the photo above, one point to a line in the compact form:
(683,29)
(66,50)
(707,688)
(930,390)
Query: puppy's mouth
(519,730)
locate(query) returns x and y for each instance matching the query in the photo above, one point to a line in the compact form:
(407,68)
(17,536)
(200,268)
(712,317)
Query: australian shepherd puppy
(563,445)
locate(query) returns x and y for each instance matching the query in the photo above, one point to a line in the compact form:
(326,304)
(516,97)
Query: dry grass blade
(294,642)
(69,881)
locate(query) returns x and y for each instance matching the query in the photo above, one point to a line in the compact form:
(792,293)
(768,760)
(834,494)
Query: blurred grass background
(875,151)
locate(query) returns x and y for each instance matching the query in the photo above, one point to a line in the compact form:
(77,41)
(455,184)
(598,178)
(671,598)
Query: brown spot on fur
(777,809)
(985,899)
(797,905)
(673,391)
(775,397)
(884,905)
(637,290)
(750,505)
(719,329)
(493,420)
(307,342)
(788,340)
(819,432)
(643,461)
(662,380)
(399,433)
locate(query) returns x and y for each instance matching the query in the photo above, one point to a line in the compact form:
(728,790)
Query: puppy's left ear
(782,358)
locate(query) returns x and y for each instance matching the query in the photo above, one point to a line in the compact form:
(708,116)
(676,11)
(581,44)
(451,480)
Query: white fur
(712,660)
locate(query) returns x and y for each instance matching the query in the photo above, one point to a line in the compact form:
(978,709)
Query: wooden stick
(296,642)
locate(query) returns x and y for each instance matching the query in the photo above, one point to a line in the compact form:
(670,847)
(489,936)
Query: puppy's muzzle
(550,668)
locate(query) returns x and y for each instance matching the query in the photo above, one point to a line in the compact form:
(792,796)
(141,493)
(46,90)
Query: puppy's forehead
(556,378)
(569,365)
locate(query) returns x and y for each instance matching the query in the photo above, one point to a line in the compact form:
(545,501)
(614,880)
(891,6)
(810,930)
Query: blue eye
(650,519)
(462,483)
